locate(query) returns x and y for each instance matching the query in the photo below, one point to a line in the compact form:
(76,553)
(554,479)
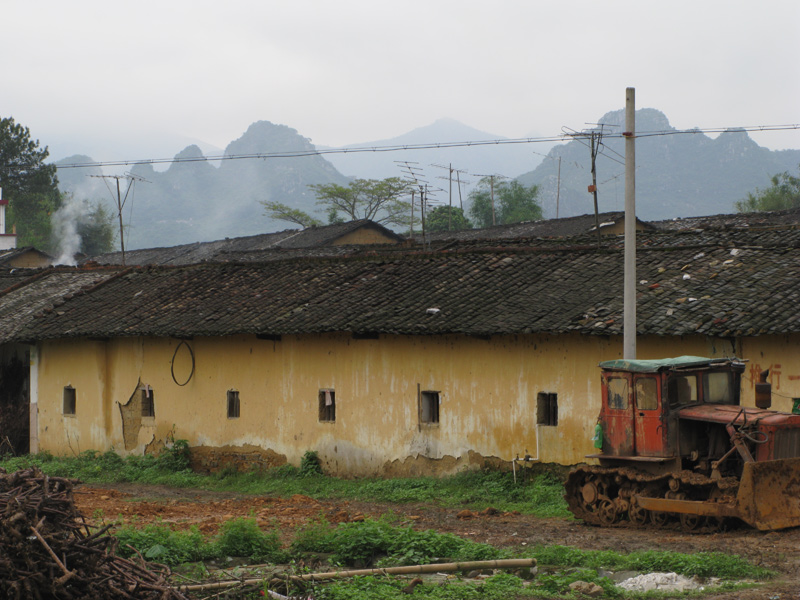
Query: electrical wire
(425,146)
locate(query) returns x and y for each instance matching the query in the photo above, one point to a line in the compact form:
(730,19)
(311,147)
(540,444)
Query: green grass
(540,496)
(162,544)
(378,541)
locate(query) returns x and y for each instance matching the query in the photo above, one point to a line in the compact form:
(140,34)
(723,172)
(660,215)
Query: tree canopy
(446,218)
(29,185)
(378,200)
(283,212)
(513,203)
(783,193)
(96,231)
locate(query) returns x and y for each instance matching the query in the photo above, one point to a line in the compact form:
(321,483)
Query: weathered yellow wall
(488,391)
(30,260)
(365,235)
(779,354)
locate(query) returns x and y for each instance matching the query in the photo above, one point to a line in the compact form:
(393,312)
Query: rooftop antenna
(413,174)
(132,179)
(596,142)
(450,180)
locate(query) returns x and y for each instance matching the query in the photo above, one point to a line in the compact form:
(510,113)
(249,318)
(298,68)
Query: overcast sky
(118,78)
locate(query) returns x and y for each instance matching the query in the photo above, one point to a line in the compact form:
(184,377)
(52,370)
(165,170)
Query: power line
(427,146)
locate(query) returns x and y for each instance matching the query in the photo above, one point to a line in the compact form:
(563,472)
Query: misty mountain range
(677,176)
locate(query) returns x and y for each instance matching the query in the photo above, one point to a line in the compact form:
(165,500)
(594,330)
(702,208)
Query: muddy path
(779,551)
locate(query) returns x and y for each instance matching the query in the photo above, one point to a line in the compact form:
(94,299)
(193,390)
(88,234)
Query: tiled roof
(35,291)
(777,218)
(187,254)
(546,228)
(715,285)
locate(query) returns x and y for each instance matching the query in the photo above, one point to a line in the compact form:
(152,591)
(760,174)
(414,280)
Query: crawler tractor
(676,446)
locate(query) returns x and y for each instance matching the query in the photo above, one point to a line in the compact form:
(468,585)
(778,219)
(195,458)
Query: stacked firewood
(48,551)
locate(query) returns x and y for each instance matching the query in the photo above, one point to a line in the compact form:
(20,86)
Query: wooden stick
(511,563)
(67,573)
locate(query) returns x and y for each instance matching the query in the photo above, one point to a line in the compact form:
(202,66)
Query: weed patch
(701,564)
(542,495)
(378,542)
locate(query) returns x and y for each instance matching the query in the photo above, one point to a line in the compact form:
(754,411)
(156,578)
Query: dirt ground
(779,551)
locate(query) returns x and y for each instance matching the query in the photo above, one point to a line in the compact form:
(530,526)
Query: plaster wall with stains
(487,389)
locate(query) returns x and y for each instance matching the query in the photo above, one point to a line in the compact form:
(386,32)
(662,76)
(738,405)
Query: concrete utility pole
(629,319)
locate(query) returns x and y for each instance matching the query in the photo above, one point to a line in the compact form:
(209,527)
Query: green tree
(513,203)
(97,231)
(446,218)
(29,185)
(282,212)
(783,193)
(378,200)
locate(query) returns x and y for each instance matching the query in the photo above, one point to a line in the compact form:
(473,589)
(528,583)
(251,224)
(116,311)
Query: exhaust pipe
(763,391)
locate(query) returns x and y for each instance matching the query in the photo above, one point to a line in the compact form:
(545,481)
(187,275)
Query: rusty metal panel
(786,443)
(769,494)
(689,507)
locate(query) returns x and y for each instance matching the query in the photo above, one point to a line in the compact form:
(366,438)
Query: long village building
(391,360)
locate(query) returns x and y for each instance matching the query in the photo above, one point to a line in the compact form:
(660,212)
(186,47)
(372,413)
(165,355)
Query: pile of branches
(48,551)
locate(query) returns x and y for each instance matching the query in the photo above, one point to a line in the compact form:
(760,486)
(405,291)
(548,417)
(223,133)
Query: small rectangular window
(429,407)
(618,393)
(233,404)
(327,406)
(646,389)
(69,400)
(148,402)
(547,409)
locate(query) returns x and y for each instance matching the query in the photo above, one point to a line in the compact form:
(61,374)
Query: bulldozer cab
(642,399)
(678,446)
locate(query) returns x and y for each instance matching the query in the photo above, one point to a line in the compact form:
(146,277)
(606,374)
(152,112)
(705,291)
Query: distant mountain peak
(192,151)
(647,119)
(263,136)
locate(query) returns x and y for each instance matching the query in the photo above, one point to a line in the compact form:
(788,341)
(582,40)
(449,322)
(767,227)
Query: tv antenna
(449,178)
(132,179)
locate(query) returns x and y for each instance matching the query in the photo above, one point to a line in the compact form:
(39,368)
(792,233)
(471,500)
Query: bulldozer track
(604,497)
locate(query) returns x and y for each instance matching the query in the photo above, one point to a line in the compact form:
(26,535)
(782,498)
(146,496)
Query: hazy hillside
(510,160)
(676,175)
(196,201)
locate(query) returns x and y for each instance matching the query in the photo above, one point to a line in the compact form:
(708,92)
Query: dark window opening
(547,409)
(148,402)
(327,406)
(429,407)
(233,404)
(69,400)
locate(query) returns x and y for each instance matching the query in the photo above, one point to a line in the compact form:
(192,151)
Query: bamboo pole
(510,563)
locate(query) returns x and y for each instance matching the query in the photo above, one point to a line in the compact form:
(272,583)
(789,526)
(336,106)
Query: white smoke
(64,223)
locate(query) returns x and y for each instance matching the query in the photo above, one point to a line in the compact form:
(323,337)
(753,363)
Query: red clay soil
(779,551)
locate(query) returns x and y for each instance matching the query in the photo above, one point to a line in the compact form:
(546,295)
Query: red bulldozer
(676,446)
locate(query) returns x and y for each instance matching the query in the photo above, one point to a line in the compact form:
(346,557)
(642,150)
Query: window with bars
(233,404)
(327,405)
(148,402)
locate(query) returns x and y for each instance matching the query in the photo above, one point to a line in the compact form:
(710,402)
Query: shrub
(310,464)
(242,537)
